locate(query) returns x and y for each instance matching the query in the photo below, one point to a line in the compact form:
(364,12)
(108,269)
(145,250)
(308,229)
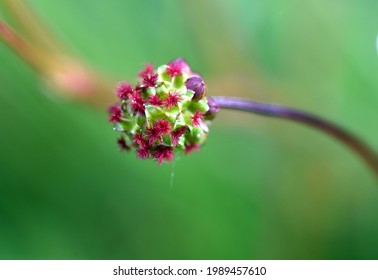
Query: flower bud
(197,85)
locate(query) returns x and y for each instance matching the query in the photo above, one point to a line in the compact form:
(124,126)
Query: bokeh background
(259,189)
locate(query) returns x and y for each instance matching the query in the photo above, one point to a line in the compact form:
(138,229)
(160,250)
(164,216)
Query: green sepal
(186,118)
(191,139)
(171,117)
(127,124)
(140,120)
(179,81)
(153,113)
(128,137)
(167,140)
(202,138)
(162,72)
(162,91)
(185,102)
(195,130)
(175,110)
(181,144)
(118,127)
(200,105)
(189,94)
(148,92)
(179,122)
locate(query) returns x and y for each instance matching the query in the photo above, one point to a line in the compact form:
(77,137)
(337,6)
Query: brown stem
(61,73)
(31,26)
(22,48)
(278,111)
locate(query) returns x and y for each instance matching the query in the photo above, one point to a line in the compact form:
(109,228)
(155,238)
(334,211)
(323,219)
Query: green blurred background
(259,189)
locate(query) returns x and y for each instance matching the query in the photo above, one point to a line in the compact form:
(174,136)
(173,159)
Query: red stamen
(163,153)
(154,100)
(197,118)
(115,113)
(148,76)
(172,99)
(139,140)
(177,67)
(143,153)
(163,126)
(176,134)
(137,103)
(123,90)
(153,135)
(191,147)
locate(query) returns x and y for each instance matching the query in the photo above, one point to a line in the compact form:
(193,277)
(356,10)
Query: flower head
(166,112)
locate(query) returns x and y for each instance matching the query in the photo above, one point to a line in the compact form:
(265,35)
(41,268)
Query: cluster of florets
(167,111)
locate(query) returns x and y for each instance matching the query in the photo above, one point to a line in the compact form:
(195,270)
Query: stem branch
(22,48)
(30,25)
(62,73)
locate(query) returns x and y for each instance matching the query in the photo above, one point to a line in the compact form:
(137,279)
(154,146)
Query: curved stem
(273,110)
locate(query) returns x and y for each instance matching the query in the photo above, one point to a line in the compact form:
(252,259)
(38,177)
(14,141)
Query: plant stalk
(278,111)
(22,48)
(61,73)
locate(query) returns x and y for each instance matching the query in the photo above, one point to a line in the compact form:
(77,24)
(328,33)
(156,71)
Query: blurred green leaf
(259,188)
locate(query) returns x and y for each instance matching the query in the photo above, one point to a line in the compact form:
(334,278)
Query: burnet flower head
(167,111)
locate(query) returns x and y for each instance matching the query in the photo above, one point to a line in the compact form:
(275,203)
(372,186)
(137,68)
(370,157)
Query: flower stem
(31,26)
(22,48)
(62,73)
(278,111)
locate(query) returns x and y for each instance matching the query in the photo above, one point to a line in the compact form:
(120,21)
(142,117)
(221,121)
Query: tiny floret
(123,90)
(197,118)
(177,67)
(115,113)
(172,100)
(155,100)
(163,126)
(122,144)
(137,103)
(166,112)
(162,153)
(191,147)
(148,76)
(176,134)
